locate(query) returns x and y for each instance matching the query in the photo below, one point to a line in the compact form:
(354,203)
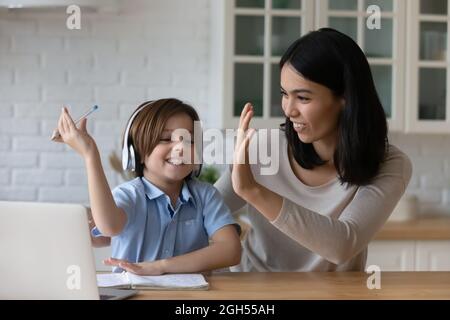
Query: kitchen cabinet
(416,245)
(392,255)
(427,64)
(432,256)
(407,55)
(384,47)
(248,38)
(422,255)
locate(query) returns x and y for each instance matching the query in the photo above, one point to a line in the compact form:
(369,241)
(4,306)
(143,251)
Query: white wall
(155,49)
(430,155)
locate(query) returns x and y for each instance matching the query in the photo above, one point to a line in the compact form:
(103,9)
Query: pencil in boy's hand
(56,134)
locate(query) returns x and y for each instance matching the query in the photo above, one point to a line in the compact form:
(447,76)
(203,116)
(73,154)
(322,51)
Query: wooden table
(314,285)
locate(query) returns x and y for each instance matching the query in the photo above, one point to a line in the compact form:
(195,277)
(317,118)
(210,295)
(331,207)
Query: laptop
(46,253)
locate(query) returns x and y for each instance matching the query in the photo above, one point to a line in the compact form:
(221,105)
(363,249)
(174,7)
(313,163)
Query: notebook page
(105,280)
(169,281)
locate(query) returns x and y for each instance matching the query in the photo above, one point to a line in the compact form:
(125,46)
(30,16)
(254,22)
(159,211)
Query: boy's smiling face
(172,158)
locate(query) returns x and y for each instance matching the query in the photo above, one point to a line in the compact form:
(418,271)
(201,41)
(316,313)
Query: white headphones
(129,155)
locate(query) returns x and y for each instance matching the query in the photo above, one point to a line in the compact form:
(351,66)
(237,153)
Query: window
(407,55)
(384,47)
(262,31)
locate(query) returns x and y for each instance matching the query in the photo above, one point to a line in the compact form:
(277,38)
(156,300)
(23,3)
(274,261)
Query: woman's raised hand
(242,176)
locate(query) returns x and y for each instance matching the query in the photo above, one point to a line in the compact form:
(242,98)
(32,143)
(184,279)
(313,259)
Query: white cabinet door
(383,45)
(427,79)
(392,255)
(408,55)
(433,255)
(248,39)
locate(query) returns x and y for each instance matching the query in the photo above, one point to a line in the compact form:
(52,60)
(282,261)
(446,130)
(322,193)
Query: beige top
(323,228)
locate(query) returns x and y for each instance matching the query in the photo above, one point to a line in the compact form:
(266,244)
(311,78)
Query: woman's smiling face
(312,108)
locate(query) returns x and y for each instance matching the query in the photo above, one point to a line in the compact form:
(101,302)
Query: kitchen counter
(313,285)
(418,229)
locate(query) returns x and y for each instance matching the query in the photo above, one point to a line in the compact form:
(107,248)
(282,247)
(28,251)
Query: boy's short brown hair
(149,123)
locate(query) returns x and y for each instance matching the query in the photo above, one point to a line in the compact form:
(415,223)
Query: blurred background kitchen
(216,55)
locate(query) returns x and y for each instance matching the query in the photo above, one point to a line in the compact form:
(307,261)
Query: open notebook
(164,282)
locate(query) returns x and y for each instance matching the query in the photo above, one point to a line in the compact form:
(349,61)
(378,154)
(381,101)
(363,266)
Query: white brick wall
(37,177)
(6,110)
(430,155)
(155,49)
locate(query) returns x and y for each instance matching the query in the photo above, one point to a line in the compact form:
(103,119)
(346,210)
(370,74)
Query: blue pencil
(56,134)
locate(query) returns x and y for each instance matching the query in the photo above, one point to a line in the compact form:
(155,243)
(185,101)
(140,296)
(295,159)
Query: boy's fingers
(68,119)
(112,261)
(59,139)
(126,268)
(129,267)
(60,125)
(83,124)
(64,120)
(64,125)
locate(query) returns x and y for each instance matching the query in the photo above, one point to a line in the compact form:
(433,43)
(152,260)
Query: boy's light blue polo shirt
(155,230)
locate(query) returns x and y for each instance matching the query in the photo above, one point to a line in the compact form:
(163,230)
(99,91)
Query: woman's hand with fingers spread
(77,138)
(267,202)
(242,176)
(153,268)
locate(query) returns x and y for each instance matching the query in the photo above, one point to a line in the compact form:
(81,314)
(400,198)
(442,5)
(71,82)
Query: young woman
(339,179)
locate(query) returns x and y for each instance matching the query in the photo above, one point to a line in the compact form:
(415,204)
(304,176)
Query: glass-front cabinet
(377,26)
(405,42)
(427,99)
(259,33)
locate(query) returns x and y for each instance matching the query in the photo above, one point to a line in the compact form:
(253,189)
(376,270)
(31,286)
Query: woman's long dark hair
(334,60)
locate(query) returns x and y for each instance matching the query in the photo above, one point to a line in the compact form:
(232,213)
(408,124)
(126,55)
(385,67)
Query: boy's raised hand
(77,138)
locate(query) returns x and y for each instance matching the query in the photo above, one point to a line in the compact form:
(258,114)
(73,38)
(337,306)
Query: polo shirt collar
(186,195)
(153,192)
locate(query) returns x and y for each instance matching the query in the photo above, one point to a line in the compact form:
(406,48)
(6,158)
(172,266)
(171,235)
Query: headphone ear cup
(128,156)
(125,159)
(132,160)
